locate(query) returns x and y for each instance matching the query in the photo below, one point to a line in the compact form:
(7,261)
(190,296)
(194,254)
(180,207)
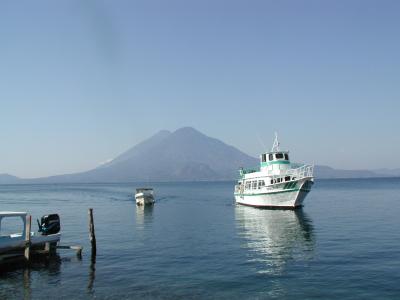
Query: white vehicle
(144,196)
(276,184)
(11,244)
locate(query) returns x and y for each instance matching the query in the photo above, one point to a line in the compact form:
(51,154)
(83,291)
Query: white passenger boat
(13,243)
(276,184)
(144,196)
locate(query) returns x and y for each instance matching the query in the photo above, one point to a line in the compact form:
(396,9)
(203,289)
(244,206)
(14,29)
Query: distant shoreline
(144,182)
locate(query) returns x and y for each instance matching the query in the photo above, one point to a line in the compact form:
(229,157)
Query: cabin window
(254,185)
(279,155)
(270,157)
(272,181)
(287,178)
(278,180)
(248,185)
(286,156)
(261,183)
(264,157)
(11,225)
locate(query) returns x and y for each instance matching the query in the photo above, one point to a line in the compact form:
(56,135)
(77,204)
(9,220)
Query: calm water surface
(196,244)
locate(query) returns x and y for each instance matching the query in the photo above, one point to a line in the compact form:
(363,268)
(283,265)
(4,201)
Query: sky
(81,81)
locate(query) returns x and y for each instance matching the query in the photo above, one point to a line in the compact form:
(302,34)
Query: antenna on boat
(275,146)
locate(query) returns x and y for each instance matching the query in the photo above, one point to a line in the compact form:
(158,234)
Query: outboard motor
(49,224)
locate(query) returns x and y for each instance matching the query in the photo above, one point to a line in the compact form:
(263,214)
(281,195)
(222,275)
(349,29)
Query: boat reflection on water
(45,264)
(144,214)
(20,271)
(275,237)
(48,268)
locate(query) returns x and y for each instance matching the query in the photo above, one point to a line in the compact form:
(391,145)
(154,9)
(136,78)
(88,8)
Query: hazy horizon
(83,81)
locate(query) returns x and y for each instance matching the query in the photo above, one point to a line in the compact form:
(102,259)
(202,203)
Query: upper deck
(276,163)
(272,158)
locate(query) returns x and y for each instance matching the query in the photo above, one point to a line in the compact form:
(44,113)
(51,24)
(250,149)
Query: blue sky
(82,81)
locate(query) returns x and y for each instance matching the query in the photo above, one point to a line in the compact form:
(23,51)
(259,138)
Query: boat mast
(275,146)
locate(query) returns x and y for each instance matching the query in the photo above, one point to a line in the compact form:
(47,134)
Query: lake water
(195,243)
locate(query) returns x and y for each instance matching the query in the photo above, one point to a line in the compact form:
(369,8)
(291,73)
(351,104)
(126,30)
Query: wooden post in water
(47,248)
(28,236)
(92,236)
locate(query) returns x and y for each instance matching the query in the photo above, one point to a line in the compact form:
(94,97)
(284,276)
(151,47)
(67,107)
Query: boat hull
(289,199)
(144,199)
(16,243)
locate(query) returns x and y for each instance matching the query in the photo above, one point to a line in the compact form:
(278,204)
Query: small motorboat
(144,196)
(11,244)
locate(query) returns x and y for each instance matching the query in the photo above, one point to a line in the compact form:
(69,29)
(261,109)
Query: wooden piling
(28,225)
(47,248)
(92,235)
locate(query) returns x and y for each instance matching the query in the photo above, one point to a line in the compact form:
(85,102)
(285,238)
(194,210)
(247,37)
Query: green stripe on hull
(290,185)
(277,192)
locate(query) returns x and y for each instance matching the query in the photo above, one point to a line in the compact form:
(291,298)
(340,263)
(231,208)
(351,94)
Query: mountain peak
(187,131)
(185,154)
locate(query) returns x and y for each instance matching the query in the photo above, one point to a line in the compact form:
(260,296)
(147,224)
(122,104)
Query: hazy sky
(82,81)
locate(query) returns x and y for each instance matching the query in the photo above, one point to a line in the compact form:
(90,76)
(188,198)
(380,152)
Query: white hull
(291,198)
(16,241)
(284,200)
(143,199)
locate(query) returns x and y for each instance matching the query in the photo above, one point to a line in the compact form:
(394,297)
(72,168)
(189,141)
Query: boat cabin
(12,229)
(275,172)
(275,162)
(274,156)
(17,220)
(144,190)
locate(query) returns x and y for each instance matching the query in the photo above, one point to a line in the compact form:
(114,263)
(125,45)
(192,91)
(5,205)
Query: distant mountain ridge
(328,172)
(140,148)
(183,155)
(8,179)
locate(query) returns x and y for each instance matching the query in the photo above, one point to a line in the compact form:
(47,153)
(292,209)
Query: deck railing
(301,172)
(295,174)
